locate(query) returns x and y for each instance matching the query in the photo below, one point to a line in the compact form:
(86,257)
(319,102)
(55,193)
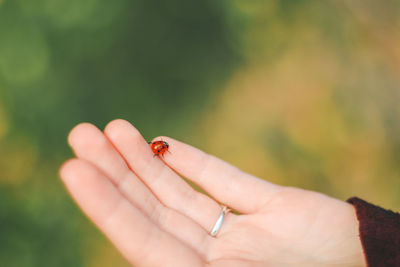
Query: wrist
(341,245)
(350,251)
(358,252)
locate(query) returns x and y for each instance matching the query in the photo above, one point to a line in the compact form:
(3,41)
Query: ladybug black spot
(158,151)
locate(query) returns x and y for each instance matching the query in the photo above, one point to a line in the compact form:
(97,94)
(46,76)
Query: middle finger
(172,190)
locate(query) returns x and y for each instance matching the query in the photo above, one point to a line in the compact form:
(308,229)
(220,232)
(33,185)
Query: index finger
(226,183)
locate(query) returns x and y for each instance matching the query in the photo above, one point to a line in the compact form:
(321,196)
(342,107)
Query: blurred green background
(303,93)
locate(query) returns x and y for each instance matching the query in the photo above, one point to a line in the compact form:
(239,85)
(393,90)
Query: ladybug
(159,147)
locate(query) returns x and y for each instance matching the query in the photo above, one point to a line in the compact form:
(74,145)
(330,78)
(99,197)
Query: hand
(155,218)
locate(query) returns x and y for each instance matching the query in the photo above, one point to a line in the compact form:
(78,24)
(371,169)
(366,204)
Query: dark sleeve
(379,233)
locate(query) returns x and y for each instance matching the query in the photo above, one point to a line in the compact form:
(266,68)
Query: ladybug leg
(149,142)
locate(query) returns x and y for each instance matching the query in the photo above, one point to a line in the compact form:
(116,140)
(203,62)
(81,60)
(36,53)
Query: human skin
(154,218)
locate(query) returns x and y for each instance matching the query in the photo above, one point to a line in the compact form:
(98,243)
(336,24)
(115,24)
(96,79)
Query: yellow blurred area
(3,122)
(101,253)
(297,95)
(17,161)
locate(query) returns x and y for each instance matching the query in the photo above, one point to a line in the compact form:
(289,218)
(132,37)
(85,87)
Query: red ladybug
(159,147)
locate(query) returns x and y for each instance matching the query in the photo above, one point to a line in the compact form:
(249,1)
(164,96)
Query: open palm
(156,219)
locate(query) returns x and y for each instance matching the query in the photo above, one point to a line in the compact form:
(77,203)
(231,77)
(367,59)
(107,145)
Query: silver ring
(219,222)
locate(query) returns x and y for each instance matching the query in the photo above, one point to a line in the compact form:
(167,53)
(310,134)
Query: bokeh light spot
(24,54)
(103,14)
(62,13)
(3,121)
